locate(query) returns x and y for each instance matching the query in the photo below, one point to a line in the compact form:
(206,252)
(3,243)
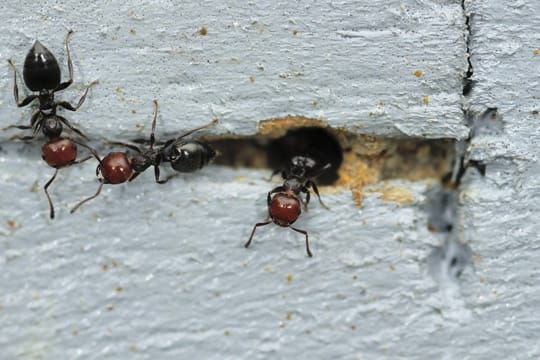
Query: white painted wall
(150,271)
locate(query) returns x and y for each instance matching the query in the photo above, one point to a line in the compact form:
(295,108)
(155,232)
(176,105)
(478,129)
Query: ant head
(297,166)
(190,156)
(115,168)
(284,209)
(59,153)
(41,70)
(302,166)
(52,126)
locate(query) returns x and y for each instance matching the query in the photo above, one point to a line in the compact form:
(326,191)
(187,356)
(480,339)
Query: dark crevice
(467,80)
(315,142)
(261,151)
(447,261)
(356,159)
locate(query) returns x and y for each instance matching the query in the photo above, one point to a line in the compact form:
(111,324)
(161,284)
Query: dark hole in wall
(315,142)
(275,153)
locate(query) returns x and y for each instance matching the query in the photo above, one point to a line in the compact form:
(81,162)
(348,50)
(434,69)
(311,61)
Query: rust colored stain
(398,194)
(355,173)
(279,126)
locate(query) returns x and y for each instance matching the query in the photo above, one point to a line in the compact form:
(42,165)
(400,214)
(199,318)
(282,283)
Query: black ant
(184,156)
(59,153)
(41,73)
(284,207)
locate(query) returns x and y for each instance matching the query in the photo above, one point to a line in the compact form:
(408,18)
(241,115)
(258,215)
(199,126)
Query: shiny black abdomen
(41,70)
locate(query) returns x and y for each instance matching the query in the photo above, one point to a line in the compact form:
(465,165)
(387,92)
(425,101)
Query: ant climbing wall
(425,245)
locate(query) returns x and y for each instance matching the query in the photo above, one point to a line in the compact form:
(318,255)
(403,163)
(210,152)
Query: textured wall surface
(346,62)
(150,271)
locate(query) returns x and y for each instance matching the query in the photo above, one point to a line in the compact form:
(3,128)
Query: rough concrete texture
(499,212)
(351,64)
(148,271)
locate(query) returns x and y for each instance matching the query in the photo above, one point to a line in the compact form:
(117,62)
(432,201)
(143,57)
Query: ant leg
(129,146)
(167,179)
(36,119)
(307,241)
(211,123)
(27,100)
(156,174)
(311,184)
(21,127)
(135,174)
(82,160)
(88,198)
(154,122)
(92,151)
(274,173)
(23,138)
(70,107)
(64,85)
(273,191)
(71,127)
(51,206)
(253,231)
(35,125)
(322,170)
(308,197)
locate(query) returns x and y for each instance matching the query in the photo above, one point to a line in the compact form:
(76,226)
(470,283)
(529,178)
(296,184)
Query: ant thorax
(293,184)
(46,101)
(142,161)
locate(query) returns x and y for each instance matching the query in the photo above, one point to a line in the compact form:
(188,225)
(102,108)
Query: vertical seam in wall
(467,80)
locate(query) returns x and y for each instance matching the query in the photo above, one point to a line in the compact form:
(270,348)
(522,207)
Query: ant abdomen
(41,70)
(59,152)
(115,168)
(284,209)
(190,156)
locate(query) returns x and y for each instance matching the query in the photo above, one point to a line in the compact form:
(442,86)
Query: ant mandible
(119,167)
(59,153)
(284,201)
(41,73)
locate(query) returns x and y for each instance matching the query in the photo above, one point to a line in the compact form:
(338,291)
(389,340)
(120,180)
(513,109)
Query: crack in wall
(447,261)
(467,80)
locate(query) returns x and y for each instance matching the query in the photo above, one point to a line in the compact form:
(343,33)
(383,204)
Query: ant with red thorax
(284,202)
(184,156)
(41,73)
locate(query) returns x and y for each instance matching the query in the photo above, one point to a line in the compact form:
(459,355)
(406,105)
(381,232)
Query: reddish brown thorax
(284,209)
(115,168)
(59,152)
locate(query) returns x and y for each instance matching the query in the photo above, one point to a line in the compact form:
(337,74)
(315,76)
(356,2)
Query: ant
(184,156)
(284,202)
(41,74)
(59,153)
